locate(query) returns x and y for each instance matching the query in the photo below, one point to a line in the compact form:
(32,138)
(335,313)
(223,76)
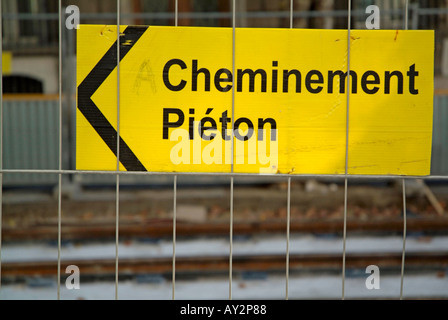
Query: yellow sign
(279,107)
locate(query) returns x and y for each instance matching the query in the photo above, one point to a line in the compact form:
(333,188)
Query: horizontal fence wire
(222,15)
(223,174)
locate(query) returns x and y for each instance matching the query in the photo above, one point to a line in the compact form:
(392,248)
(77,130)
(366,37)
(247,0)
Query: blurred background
(30,61)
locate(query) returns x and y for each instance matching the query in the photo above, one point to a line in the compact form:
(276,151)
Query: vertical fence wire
(174,236)
(1,138)
(60,154)
(176,13)
(288,204)
(406,14)
(232,154)
(404,240)
(291,13)
(117,190)
(346,146)
(288,224)
(231,238)
(406,20)
(176,17)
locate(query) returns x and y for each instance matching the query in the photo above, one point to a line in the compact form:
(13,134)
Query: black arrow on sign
(93,81)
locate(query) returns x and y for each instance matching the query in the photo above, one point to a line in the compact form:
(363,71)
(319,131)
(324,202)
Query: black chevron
(93,81)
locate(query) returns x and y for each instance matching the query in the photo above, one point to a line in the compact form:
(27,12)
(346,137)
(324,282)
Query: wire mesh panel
(37,143)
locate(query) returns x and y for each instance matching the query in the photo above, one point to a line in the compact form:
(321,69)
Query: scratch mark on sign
(145,74)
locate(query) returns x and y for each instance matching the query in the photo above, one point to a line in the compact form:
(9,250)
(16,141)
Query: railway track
(163,228)
(214,264)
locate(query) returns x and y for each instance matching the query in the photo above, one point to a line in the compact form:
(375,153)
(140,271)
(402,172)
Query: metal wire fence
(403,15)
